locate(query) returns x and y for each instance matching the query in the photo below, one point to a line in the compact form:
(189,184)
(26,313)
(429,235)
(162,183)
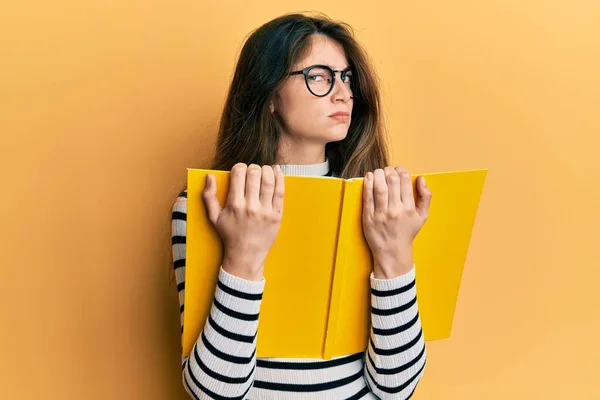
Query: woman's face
(306,117)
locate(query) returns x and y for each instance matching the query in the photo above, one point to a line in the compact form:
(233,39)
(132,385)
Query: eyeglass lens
(319,81)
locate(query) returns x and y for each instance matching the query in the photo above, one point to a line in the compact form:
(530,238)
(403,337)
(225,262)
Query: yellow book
(316,302)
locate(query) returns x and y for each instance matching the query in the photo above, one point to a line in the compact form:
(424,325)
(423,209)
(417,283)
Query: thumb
(209,195)
(424,198)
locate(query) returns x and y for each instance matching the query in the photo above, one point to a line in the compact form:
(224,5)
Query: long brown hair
(248,131)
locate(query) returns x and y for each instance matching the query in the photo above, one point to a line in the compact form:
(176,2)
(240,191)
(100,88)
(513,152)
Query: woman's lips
(341,116)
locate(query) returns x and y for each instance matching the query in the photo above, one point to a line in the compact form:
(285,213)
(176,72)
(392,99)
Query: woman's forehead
(324,51)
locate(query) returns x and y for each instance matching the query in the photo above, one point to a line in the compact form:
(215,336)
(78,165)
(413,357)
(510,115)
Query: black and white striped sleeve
(223,360)
(396,354)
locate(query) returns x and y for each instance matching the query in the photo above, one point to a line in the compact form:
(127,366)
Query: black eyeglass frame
(305,72)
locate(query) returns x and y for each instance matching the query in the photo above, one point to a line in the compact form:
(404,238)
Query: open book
(316,302)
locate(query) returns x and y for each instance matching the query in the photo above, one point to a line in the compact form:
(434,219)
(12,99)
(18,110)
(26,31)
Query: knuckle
(274,217)
(393,178)
(394,214)
(267,184)
(236,204)
(389,170)
(381,190)
(236,208)
(382,221)
(253,211)
(268,180)
(253,185)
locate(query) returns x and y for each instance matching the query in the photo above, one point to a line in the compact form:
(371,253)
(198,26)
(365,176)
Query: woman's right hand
(250,221)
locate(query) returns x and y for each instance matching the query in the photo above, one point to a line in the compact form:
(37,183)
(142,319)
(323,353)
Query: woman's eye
(316,78)
(348,78)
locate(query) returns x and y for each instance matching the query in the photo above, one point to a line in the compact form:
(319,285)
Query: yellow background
(103,104)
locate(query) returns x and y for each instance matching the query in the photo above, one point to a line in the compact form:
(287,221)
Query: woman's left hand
(392,217)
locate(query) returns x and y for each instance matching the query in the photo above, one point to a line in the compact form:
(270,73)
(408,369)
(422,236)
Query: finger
(253,178)
(406,189)
(209,195)
(237,185)
(368,204)
(380,190)
(279,190)
(424,198)
(393,183)
(267,186)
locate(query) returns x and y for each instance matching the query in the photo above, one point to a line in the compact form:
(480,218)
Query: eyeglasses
(320,79)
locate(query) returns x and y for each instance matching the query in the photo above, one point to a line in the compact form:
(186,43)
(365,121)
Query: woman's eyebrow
(347,67)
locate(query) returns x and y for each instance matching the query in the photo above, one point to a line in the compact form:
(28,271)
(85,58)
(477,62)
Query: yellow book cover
(316,302)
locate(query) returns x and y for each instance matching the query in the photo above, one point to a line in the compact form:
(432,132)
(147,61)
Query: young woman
(304,101)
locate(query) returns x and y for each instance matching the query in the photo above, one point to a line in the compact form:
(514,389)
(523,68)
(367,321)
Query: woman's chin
(337,134)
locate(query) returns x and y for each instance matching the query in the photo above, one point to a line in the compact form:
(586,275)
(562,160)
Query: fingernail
(423,180)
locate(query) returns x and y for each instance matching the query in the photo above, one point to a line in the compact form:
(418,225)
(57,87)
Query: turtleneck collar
(320,169)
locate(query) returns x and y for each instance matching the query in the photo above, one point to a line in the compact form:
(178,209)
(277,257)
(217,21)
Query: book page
(439,253)
(350,325)
(441,247)
(298,269)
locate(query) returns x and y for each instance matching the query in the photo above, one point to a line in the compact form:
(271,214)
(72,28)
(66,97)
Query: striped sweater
(223,362)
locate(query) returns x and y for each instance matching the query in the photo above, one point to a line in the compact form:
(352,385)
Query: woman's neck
(302,157)
(294,151)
